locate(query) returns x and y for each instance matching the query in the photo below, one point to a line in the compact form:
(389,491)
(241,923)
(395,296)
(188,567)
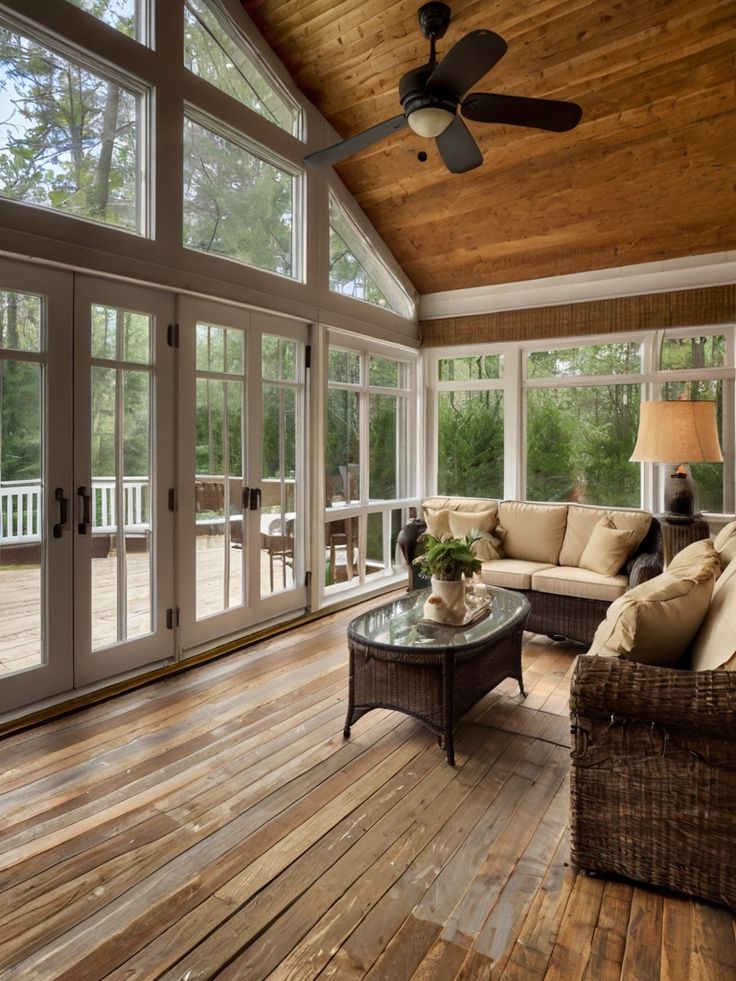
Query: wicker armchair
(653,783)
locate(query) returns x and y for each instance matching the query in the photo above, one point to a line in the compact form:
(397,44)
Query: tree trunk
(104,163)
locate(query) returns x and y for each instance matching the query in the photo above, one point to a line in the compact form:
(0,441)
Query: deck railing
(20,505)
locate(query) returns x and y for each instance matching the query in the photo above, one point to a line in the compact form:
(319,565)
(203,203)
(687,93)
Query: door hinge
(172,335)
(172,618)
(172,499)
(308,356)
(307,579)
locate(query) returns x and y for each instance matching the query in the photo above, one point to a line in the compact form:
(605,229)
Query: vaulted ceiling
(648,174)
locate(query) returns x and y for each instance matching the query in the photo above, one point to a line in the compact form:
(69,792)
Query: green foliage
(70,136)
(236,204)
(470,451)
(452,558)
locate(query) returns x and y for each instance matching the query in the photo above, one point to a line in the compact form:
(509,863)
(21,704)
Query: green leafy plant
(450,559)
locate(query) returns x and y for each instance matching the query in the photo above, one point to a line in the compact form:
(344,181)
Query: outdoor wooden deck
(20,599)
(217,824)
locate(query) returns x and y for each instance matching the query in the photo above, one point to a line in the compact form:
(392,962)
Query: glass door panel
(241,415)
(35,484)
(124,463)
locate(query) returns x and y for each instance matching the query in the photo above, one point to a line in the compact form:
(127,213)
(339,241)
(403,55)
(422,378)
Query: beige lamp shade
(677,432)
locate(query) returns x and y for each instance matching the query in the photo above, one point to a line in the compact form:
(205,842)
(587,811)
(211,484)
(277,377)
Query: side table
(676,535)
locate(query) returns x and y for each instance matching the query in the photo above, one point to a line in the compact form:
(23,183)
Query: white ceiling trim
(689,272)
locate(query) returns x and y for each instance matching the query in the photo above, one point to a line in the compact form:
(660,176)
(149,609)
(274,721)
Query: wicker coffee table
(431,672)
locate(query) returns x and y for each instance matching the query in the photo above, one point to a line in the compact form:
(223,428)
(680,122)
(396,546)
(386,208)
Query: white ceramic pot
(447,602)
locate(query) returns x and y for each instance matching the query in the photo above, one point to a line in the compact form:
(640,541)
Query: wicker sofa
(541,563)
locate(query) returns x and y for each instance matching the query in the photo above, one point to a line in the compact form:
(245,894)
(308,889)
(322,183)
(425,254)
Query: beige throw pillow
(489,547)
(582,519)
(696,560)
(437,521)
(655,622)
(715,644)
(725,544)
(463,522)
(607,549)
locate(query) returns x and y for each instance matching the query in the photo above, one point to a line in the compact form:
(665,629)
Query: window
(691,368)
(69,135)
(216,50)
(470,425)
(356,270)
(130,17)
(237,204)
(559,424)
(368,463)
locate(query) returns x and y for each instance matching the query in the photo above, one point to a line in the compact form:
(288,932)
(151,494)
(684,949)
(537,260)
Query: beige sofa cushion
(655,622)
(725,543)
(567,580)
(607,549)
(534,532)
(715,644)
(462,522)
(511,573)
(582,519)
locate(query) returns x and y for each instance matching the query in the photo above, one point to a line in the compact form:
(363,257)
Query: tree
(69,142)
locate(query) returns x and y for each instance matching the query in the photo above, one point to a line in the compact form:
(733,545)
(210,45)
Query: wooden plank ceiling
(647,175)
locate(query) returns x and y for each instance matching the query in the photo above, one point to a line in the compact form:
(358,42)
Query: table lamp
(678,432)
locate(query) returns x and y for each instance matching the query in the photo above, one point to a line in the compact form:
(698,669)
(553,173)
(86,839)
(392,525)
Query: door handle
(63,512)
(255,498)
(86,510)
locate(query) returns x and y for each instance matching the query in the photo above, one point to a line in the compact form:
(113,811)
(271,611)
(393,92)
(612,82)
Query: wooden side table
(676,535)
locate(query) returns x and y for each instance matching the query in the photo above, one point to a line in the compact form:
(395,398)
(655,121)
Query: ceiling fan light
(430,121)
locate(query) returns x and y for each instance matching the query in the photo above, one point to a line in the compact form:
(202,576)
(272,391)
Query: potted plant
(446,561)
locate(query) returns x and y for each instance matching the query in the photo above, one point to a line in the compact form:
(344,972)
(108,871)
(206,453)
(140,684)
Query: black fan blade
(488,107)
(466,62)
(346,148)
(458,148)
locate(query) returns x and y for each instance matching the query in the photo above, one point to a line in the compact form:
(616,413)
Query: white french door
(241,465)
(35,483)
(86,466)
(124,476)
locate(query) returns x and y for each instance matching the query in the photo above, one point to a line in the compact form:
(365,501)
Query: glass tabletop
(400,624)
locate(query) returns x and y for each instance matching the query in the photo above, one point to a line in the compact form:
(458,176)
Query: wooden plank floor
(216,824)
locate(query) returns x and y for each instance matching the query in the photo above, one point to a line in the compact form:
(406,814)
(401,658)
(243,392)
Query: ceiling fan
(432,94)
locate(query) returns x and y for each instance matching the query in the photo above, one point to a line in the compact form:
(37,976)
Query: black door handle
(63,512)
(86,510)
(255,498)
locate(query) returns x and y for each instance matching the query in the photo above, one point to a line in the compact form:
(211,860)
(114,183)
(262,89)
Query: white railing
(20,508)
(20,511)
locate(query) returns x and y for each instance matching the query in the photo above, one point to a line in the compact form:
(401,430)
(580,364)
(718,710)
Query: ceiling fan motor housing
(413,95)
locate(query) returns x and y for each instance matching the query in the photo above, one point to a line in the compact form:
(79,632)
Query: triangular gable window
(356,270)
(216,50)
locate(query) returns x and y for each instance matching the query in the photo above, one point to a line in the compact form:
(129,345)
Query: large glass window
(470,445)
(356,270)
(579,441)
(682,358)
(368,463)
(130,17)
(216,50)
(69,136)
(237,204)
